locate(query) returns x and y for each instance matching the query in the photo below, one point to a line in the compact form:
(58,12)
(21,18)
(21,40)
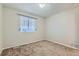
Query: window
(27,24)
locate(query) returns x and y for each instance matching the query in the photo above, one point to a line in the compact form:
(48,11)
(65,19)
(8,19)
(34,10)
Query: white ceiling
(48,10)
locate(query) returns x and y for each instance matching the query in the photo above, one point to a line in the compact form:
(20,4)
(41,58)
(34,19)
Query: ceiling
(48,10)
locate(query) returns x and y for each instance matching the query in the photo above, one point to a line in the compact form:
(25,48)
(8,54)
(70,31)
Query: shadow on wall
(77,31)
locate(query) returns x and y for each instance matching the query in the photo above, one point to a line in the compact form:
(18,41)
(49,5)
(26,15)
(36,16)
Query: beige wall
(12,36)
(61,27)
(0,27)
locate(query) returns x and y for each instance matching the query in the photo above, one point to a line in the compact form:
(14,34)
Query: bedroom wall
(61,27)
(1,28)
(12,36)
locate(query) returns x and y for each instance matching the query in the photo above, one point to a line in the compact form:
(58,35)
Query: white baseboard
(64,44)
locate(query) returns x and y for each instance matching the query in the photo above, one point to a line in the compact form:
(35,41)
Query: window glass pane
(23,24)
(27,24)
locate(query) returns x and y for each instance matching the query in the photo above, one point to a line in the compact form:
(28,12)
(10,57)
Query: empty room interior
(39,29)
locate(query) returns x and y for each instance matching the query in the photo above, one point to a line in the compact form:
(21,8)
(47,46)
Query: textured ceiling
(48,10)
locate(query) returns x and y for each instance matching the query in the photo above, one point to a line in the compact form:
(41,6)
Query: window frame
(35,19)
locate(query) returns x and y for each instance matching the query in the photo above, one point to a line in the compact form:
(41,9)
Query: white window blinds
(27,24)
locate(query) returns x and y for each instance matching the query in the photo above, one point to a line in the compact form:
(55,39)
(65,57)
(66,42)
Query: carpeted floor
(40,48)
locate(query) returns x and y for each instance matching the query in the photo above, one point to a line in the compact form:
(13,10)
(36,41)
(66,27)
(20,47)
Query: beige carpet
(40,48)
